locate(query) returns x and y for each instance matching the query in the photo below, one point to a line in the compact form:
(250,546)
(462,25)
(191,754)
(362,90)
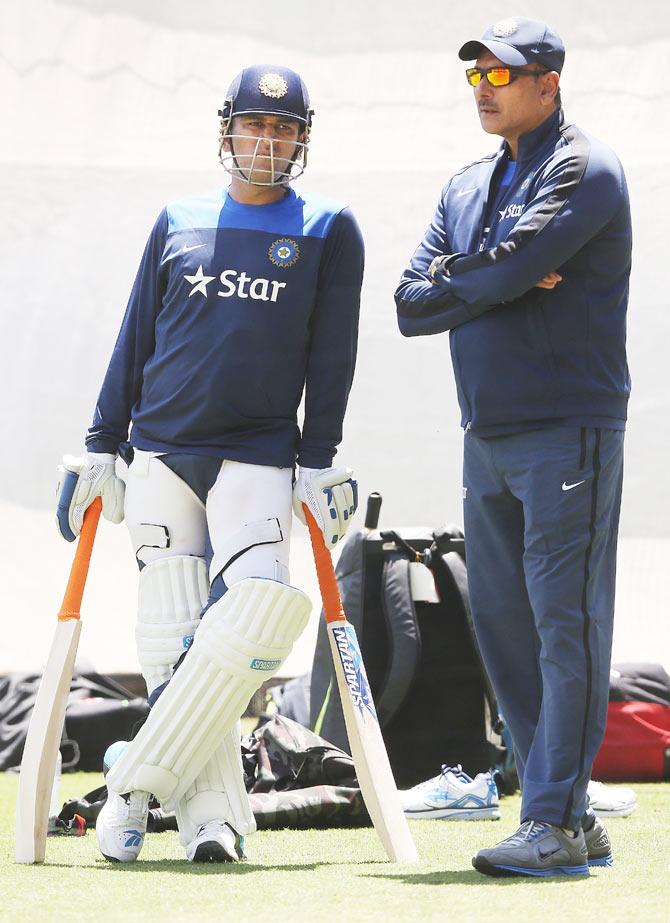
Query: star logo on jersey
(199,282)
(284,252)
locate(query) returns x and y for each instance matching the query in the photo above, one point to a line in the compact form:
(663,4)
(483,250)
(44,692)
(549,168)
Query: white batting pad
(242,640)
(218,793)
(172,593)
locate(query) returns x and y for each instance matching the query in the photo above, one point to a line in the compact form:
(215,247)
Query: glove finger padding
(80,481)
(113,498)
(332,497)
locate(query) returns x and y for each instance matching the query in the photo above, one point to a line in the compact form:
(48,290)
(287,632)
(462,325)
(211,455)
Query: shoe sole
(602,861)
(116,858)
(454,814)
(511,871)
(211,851)
(614,812)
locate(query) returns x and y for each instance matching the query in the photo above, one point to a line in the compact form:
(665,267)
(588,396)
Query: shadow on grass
(472,877)
(183,867)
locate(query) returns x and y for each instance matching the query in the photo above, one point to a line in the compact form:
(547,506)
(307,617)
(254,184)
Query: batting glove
(331,495)
(80,481)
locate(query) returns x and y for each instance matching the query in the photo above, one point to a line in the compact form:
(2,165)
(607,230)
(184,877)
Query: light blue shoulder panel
(310,216)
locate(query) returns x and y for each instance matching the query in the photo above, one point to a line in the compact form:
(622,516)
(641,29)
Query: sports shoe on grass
(452,795)
(598,845)
(121,826)
(537,849)
(216,841)
(610,801)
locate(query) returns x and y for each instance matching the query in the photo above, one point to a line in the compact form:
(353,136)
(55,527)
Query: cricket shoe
(216,841)
(121,826)
(611,802)
(598,845)
(452,795)
(537,849)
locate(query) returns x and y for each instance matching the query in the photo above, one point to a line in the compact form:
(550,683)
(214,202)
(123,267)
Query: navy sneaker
(537,849)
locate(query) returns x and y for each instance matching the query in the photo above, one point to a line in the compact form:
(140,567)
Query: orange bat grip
(75,586)
(332,604)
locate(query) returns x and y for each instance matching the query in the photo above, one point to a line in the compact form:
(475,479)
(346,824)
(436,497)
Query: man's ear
(549,87)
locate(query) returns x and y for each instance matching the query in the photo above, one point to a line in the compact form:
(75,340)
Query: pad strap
(261,532)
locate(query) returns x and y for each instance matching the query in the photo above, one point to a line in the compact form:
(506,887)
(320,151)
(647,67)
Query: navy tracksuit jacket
(543,385)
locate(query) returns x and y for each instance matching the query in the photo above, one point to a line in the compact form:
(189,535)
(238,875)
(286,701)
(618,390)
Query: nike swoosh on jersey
(565,486)
(187,249)
(466,191)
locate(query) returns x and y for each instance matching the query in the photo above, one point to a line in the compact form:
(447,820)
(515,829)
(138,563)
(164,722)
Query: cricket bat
(371,761)
(46,723)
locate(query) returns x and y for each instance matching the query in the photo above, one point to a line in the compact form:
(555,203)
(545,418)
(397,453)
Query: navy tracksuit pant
(541,512)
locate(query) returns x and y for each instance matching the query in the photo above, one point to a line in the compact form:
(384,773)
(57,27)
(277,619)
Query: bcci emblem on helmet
(284,252)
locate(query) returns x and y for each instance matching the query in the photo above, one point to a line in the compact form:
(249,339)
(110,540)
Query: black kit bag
(99,711)
(294,779)
(433,699)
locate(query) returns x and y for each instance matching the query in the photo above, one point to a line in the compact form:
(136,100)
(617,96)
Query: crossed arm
(567,211)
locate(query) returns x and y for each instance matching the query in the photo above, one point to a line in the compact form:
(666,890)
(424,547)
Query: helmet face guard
(265,90)
(262,166)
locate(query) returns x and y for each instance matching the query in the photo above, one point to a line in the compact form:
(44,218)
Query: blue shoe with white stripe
(537,849)
(453,795)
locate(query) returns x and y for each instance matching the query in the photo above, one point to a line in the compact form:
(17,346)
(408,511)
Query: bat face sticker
(354,669)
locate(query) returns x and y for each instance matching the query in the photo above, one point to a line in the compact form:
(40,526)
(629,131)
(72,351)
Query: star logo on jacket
(284,252)
(199,282)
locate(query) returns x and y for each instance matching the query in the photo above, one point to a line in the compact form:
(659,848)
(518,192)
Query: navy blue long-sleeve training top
(524,355)
(236,309)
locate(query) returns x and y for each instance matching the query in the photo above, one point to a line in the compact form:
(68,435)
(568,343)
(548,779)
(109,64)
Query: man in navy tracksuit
(526,263)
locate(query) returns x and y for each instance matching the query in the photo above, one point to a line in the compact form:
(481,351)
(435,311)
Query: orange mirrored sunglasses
(499,76)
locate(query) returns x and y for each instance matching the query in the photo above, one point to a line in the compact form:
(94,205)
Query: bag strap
(454,565)
(403,634)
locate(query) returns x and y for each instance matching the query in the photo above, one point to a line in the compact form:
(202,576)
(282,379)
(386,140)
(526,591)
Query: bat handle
(372,510)
(332,604)
(75,586)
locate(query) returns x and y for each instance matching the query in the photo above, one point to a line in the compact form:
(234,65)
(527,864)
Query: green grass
(336,875)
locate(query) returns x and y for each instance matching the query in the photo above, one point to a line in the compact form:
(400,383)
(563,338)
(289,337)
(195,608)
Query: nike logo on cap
(566,486)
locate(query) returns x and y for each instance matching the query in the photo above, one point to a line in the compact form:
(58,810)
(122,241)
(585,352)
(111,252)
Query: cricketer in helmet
(265,125)
(247,297)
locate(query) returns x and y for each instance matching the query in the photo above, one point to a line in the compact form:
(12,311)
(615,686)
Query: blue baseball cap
(517,41)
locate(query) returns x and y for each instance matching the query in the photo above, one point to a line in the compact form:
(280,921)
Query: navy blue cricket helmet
(269,89)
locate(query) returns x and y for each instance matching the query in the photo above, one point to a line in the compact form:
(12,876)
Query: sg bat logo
(354,669)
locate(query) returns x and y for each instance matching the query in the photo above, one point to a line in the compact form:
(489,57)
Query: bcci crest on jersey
(284,252)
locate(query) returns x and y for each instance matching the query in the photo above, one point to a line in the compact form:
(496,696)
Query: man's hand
(80,481)
(550,281)
(331,495)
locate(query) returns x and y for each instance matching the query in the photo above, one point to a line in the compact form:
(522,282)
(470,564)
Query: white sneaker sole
(454,814)
(605,810)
